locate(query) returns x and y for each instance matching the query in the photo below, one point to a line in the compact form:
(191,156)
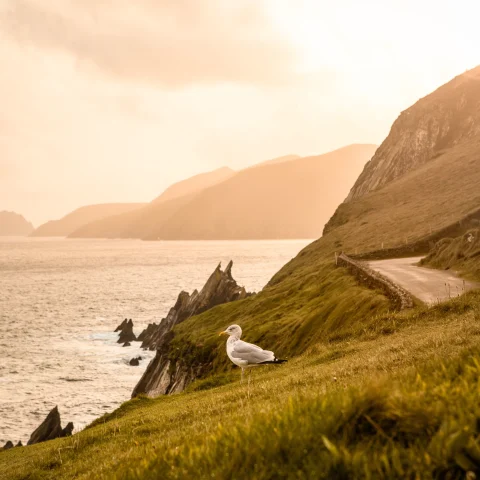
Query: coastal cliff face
(163,375)
(435,123)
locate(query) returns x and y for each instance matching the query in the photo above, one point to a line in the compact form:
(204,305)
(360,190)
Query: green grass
(461,254)
(389,401)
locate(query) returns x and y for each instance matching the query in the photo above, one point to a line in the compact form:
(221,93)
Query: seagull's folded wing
(251,353)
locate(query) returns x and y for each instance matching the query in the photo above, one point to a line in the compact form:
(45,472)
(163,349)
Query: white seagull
(244,354)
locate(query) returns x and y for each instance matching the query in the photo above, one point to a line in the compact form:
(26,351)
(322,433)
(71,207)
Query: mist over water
(60,301)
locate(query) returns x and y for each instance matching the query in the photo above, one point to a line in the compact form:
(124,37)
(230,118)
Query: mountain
(195,184)
(280,199)
(14,224)
(291,199)
(436,123)
(84,215)
(284,158)
(138,223)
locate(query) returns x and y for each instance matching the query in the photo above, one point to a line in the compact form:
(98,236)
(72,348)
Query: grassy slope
(402,397)
(308,305)
(432,197)
(461,254)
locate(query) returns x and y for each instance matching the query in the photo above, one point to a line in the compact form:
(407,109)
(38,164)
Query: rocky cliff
(435,123)
(163,375)
(12,223)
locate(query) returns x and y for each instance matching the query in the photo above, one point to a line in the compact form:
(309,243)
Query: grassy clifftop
(401,397)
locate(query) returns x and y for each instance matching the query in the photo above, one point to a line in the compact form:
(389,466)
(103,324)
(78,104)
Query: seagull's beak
(223,333)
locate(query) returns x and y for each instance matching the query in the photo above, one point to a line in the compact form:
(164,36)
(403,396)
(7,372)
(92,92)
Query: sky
(114,100)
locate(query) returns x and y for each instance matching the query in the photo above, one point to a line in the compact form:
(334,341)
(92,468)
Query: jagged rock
(121,326)
(147,332)
(134,362)
(19,444)
(160,376)
(8,445)
(68,430)
(50,428)
(127,344)
(126,333)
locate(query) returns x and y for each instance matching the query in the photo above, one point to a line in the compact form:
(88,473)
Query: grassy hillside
(292,199)
(402,397)
(461,254)
(82,216)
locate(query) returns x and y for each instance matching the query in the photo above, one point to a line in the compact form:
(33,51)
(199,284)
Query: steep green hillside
(401,398)
(367,392)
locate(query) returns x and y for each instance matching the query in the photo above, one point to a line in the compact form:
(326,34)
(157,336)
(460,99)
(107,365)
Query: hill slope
(255,203)
(292,199)
(368,393)
(436,123)
(12,223)
(82,216)
(195,184)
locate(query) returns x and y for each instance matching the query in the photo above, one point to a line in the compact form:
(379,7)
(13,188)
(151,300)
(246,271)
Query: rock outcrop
(7,446)
(437,122)
(126,332)
(50,428)
(162,376)
(147,332)
(135,362)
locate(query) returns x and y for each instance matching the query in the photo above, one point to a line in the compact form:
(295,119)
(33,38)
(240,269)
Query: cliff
(436,123)
(12,223)
(164,375)
(82,216)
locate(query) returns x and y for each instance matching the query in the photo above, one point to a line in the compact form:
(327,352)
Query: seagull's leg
(241,381)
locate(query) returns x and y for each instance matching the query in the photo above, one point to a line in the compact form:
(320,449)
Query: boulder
(19,444)
(134,362)
(127,344)
(161,377)
(50,428)
(126,333)
(8,445)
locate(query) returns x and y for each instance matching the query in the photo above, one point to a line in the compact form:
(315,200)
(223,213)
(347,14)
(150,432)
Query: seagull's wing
(251,353)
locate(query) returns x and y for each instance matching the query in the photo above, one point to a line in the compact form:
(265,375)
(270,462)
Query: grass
(385,403)
(461,254)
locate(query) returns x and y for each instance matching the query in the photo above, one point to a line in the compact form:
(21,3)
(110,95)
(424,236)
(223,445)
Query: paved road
(427,284)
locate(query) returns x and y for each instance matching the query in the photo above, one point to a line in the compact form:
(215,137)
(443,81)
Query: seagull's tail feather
(275,361)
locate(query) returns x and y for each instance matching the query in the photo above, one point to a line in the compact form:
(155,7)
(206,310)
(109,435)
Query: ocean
(60,301)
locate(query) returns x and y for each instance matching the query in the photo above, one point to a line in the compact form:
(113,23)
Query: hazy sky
(113,100)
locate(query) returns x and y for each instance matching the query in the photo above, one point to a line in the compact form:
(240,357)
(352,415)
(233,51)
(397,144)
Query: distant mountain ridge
(14,224)
(195,184)
(81,216)
(279,199)
(445,118)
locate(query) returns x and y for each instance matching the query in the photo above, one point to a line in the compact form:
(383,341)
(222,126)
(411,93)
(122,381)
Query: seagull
(244,354)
